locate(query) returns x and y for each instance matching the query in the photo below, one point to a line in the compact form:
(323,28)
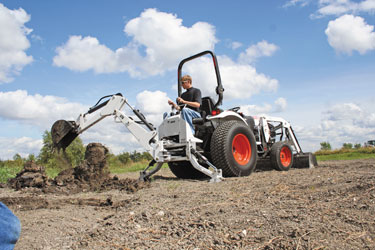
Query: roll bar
(219,88)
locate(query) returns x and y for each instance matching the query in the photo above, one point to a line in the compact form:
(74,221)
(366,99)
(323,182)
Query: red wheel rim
(241,149)
(285,156)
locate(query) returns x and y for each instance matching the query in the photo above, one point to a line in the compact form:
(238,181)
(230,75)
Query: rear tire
(281,155)
(233,149)
(184,170)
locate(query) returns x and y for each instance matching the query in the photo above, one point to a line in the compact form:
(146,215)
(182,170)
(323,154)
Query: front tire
(233,149)
(281,155)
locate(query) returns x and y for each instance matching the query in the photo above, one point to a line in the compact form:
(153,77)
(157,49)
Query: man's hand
(174,105)
(180,100)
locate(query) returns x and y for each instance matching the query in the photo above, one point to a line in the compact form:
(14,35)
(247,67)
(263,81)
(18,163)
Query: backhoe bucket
(63,133)
(305,160)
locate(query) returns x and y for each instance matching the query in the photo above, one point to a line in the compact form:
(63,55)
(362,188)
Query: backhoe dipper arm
(64,132)
(114,107)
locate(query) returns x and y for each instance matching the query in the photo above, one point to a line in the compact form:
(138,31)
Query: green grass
(131,167)
(345,154)
(9,169)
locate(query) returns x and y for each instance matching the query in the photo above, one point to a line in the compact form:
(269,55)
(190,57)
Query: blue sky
(310,62)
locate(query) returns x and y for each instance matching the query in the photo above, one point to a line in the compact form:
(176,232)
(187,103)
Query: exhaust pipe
(63,133)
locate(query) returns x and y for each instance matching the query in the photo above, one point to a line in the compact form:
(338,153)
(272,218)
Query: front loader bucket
(63,133)
(305,160)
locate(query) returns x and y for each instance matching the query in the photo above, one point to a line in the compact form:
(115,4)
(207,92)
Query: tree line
(73,155)
(327,146)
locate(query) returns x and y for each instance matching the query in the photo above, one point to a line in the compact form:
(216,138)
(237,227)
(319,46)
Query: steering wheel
(182,106)
(235,109)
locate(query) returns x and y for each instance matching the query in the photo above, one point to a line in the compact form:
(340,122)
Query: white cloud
(350,33)
(113,135)
(340,123)
(296,2)
(260,49)
(36,109)
(152,102)
(23,146)
(86,53)
(340,7)
(346,111)
(165,41)
(159,41)
(335,7)
(279,106)
(153,105)
(240,81)
(13,42)
(255,109)
(235,45)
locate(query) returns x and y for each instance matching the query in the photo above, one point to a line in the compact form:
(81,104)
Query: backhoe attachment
(63,133)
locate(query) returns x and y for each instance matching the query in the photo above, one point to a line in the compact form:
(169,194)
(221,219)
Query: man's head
(186,81)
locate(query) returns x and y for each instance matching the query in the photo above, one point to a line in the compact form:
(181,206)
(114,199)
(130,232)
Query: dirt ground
(328,207)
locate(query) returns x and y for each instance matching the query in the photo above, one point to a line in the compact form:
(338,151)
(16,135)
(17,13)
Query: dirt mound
(32,175)
(92,175)
(93,171)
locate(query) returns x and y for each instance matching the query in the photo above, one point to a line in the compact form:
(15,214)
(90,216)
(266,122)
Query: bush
(9,169)
(124,157)
(347,146)
(361,150)
(49,157)
(325,146)
(128,162)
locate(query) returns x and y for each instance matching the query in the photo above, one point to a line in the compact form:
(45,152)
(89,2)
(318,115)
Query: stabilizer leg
(215,174)
(145,176)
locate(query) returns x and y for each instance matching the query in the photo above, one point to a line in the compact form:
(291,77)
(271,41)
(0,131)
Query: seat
(205,109)
(207,106)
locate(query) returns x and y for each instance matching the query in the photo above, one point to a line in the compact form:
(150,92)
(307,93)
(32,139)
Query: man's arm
(196,99)
(191,104)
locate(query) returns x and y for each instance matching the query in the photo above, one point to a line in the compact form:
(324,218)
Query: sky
(311,62)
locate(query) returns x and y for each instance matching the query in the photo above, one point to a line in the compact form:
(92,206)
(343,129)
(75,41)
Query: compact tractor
(226,143)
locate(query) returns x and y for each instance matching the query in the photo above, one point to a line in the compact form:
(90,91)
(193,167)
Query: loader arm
(302,159)
(264,120)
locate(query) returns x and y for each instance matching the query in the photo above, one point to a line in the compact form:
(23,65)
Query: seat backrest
(207,105)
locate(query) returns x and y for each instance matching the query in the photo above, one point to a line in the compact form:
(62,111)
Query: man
(10,228)
(192,98)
